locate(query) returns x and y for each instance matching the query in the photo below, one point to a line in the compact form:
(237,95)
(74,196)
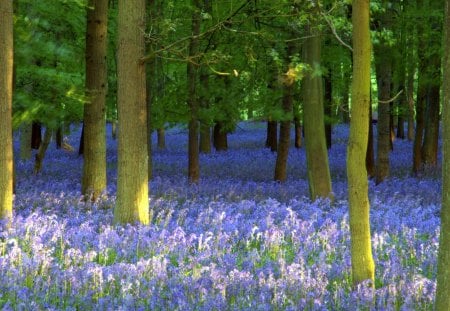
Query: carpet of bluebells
(236,241)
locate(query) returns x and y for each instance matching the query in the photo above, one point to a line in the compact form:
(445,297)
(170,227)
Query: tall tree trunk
(161,138)
(59,137)
(36,135)
(42,150)
(298,132)
(328,105)
(370,153)
(285,124)
(220,137)
(384,74)
(313,120)
(363,266)
(421,93)
(25,142)
(192,100)
(443,269)
(272,135)
(6,92)
(94,122)
(81,145)
(132,203)
(205,138)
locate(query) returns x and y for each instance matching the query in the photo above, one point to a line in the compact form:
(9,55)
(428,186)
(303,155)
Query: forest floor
(236,241)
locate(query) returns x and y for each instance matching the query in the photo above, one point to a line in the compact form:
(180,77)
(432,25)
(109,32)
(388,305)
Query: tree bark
(443,270)
(363,266)
(42,150)
(313,120)
(370,154)
(205,138)
(328,105)
(220,137)
(192,100)
(161,138)
(272,135)
(298,132)
(36,135)
(25,142)
(132,203)
(6,92)
(94,122)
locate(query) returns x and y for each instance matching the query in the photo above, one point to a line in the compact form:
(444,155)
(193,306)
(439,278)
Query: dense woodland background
(207,66)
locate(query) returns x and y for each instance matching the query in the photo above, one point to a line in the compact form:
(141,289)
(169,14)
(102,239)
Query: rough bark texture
(192,100)
(384,79)
(94,155)
(272,135)
(363,266)
(370,154)
(313,121)
(132,179)
(6,90)
(443,269)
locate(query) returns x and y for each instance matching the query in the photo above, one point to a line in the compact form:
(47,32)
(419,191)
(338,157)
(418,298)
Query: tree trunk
(6,91)
(313,120)
(220,137)
(205,138)
(94,122)
(272,135)
(42,150)
(25,142)
(36,135)
(298,133)
(192,100)
(443,269)
(132,203)
(114,129)
(59,137)
(285,124)
(161,136)
(384,74)
(370,158)
(328,106)
(363,266)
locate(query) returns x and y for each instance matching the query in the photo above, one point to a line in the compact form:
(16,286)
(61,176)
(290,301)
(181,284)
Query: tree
(443,275)
(192,72)
(132,178)
(363,267)
(313,118)
(6,91)
(94,165)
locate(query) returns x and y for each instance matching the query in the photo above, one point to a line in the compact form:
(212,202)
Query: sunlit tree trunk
(443,269)
(319,178)
(6,91)
(370,153)
(192,100)
(94,165)
(132,203)
(363,266)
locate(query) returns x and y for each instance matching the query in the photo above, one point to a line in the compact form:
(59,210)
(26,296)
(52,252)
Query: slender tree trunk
(59,137)
(313,119)
(298,132)
(6,92)
(192,73)
(328,105)
(161,135)
(205,138)
(220,137)
(42,150)
(370,154)
(36,135)
(25,142)
(81,145)
(443,269)
(285,124)
(410,102)
(363,266)
(384,74)
(132,203)
(272,135)
(94,122)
